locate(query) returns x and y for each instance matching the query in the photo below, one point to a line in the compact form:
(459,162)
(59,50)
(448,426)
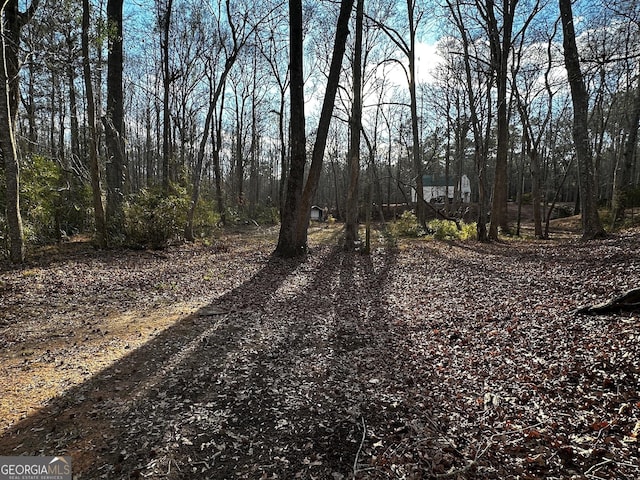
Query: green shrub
(443,229)
(265,215)
(406,226)
(206,218)
(153,219)
(469,231)
(52,202)
(447,230)
(40,199)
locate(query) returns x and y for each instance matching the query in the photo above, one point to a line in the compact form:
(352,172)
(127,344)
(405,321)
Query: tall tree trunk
(215,95)
(239,152)
(11,23)
(149,150)
(73,112)
(101,229)
(416,150)
(282,186)
(500,49)
(217,171)
(287,244)
(197,171)
(8,78)
(351,225)
(317,156)
(254,181)
(591,225)
(530,147)
(480,144)
(30,105)
(165,21)
(114,121)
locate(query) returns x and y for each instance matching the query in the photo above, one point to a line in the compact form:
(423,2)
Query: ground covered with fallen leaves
(421,360)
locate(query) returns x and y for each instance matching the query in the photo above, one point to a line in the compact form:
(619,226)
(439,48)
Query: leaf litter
(422,360)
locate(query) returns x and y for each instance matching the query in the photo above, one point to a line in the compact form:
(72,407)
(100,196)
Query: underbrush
(408,226)
(153,219)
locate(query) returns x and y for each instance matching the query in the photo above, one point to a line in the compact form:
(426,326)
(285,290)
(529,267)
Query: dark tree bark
(282,185)
(8,105)
(292,240)
(12,21)
(500,43)
(415,132)
(101,230)
(165,23)
(591,225)
(351,225)
(114,121)
(479,139)
(287,246)
(317,156)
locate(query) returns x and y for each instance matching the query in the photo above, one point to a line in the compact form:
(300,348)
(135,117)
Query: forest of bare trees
(144,122)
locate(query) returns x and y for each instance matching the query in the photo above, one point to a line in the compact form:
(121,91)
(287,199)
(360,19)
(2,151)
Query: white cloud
(427,59)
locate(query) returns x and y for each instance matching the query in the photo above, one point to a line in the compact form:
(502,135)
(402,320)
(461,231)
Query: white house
(436,187)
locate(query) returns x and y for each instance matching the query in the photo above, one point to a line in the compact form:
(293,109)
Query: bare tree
(292,240)
(623,180)
(500,37)
(101,228)
(591,225)
(272,50)
(114,120)
(408,48)
(351,225)
(164,19)
(535,107)
(12,20)
(219,62)
(477,83)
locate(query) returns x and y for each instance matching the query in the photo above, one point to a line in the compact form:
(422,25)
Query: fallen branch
(628,301)
(364,434)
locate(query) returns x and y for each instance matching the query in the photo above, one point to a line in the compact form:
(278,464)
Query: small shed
(317,213)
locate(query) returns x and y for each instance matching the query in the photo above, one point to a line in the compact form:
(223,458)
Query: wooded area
(422,360)
(160,121)
(463,305)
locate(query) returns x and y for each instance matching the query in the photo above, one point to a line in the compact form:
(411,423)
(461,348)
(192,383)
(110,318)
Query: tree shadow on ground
(290,375)
(98,422)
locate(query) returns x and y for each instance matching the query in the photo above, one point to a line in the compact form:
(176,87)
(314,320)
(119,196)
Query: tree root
(628,301)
